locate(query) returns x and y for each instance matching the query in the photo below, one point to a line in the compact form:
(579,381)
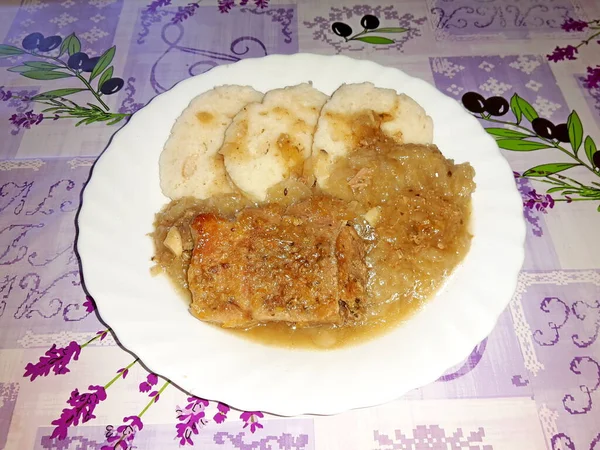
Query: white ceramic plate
(152,321)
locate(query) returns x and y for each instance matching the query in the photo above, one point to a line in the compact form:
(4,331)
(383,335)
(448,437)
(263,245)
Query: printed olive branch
(370,24)
(586,193)
(75,111)
(531,134)
(77,64)
(63,65)
(377,39)
(543,134)
(86,115)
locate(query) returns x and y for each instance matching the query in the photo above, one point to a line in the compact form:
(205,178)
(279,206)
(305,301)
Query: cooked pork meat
(305,267)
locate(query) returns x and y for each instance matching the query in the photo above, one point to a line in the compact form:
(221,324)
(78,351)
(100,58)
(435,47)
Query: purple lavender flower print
(153,7)
(123,371)
(569,52)
(593,77)
(89,304)
(226,5)
(251,418)
(82,410)
(539,202)
(191,418)
(151,380)
(19,100)
(102,334)
(155,395)
(532,202)
(574,25)
(26,119)
(5,95)
(185,12)
(221,415)
(122,437)
(55,359)
(562,53)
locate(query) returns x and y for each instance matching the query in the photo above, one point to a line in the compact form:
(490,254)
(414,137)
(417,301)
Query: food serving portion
(330,220)
(240,263)
(190,163)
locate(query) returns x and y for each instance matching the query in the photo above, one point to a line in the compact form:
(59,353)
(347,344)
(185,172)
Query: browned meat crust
(304,267)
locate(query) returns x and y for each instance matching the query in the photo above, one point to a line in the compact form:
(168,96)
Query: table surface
(534,383)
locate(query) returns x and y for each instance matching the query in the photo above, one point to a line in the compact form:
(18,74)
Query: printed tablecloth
(72,72)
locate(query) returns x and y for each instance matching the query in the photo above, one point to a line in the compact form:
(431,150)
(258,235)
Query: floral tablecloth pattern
(72,72)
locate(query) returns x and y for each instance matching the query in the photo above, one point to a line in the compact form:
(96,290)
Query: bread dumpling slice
(190,164)
(355,107)
(269,141)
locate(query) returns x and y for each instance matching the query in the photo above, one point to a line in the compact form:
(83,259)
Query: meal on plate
(303,220)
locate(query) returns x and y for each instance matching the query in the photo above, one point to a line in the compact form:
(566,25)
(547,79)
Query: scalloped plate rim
(234,394)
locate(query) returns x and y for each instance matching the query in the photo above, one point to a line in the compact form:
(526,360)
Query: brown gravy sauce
(418,203)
